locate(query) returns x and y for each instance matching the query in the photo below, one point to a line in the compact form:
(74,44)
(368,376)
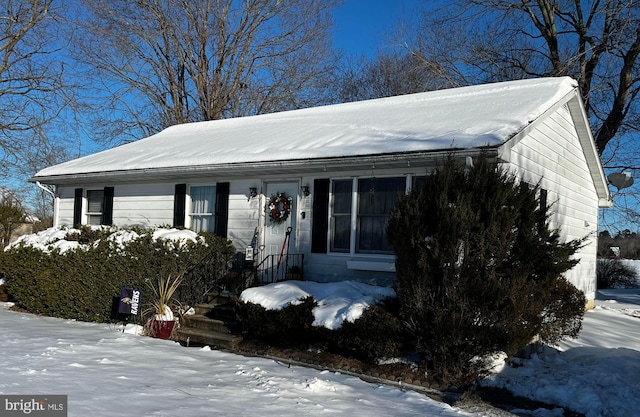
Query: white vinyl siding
(551,154)
(146,204)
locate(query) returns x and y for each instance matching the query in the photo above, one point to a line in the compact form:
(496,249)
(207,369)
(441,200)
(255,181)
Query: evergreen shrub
(291,326)
(80,283)
(375,335)
(10,215)
(479,270)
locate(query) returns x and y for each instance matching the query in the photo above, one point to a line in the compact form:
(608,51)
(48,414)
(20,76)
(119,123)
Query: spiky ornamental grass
(164,293)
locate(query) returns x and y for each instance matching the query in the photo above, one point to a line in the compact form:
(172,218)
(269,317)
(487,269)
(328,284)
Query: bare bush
(613,273)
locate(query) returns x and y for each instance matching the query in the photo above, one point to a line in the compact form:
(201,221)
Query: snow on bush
(47,240)
(45,275)
(634,264)
(64,238)
(337,302)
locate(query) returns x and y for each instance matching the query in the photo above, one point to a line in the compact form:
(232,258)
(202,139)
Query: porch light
(305,190)
(253,192)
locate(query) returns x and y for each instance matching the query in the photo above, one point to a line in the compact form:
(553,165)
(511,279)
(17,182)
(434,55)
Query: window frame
(372,214)
(89,215)
(356,216)
(332,216)
(191,215)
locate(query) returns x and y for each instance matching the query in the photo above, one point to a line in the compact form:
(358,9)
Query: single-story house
(319,182)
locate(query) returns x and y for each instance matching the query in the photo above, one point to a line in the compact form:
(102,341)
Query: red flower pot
(162,329)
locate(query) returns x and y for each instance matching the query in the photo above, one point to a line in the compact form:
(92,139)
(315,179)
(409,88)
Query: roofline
(591,154)
(578,114)
(298,166)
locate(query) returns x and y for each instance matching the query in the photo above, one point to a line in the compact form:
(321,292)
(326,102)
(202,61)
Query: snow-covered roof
(458,118)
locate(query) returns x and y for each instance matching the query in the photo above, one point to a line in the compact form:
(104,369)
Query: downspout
(55,202)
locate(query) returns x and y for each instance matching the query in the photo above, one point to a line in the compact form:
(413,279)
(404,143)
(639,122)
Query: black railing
(276,268)
(205,277)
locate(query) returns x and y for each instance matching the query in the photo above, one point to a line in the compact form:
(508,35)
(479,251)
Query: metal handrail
(274,268)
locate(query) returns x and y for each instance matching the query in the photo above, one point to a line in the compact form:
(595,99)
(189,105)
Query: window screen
(341,215)
(95,200)
(376,198)
(203,200)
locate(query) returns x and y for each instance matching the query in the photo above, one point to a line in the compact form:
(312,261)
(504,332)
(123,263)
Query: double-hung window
(342,191)
(95,199)
(360,213)
(202,213)
(376,198)
(93,207)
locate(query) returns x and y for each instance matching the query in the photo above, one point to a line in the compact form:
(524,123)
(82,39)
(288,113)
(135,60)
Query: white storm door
(275,234)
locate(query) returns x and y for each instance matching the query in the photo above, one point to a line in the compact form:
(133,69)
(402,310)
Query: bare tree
(595,41)
(33,93)
(47,145)
(390,73)
(31,83)
(164,62)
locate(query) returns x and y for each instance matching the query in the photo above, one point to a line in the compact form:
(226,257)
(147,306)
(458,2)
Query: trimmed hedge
(80,283)
(288,327)
(377,334)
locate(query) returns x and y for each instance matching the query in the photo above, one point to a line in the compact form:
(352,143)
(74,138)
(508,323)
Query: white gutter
(42,187)
(267,167)
(55,202)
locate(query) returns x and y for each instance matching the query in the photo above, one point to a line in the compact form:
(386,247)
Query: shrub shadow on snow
(626,296)
(590,381)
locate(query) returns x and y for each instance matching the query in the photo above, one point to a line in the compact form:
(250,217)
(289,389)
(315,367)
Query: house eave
(266,168)
(581,122)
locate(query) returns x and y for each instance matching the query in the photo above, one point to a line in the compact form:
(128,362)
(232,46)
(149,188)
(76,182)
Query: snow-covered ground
(107,372)
(597,374)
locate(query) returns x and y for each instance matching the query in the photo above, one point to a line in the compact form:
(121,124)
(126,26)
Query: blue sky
(361,25)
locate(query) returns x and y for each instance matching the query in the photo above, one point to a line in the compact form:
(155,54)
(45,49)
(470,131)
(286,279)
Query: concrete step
(198,337)
(223,297)
(204,308)
(225,312)
(201,322)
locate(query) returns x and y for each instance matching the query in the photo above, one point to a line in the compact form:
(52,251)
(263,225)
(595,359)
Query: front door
(275,233)
(277,244)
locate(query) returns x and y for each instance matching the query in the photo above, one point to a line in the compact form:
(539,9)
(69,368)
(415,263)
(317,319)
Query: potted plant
(162,321)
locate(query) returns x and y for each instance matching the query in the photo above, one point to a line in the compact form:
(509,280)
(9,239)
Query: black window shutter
(107,206)
(179,205)
(222,208)
(320,220)
(77,207)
